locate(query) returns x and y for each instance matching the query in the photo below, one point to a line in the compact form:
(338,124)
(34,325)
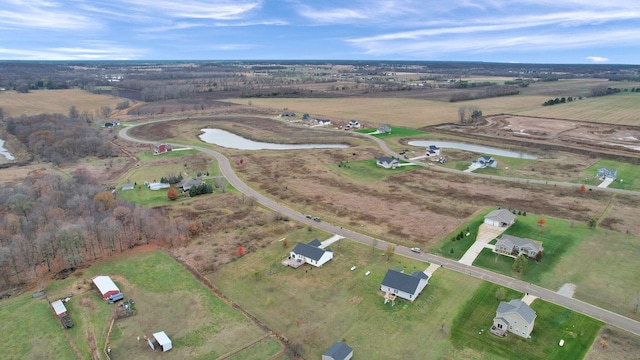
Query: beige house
(515,317)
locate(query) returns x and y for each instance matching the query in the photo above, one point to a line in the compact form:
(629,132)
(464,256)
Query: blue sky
(540,31)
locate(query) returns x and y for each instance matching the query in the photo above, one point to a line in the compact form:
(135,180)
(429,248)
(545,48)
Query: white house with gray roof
(515,317)
(500,218)
(514,246)
(387,162)
(338,351)
(406,286)
(311,253)
(607,174)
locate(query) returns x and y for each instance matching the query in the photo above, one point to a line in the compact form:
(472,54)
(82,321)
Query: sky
(520,31)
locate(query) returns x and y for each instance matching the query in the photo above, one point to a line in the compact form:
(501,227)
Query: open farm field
(167,298)
(318,306)
(613,343)
(472,324)
(53,101)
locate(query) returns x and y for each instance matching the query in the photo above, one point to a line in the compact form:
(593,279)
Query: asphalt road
(606,316)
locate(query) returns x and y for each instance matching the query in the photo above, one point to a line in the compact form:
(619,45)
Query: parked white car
(416,250)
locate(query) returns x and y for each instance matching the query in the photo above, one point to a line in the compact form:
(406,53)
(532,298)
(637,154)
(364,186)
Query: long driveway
(548,295)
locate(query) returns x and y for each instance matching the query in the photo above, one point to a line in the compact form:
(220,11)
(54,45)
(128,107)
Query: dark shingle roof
(396,279)
(338,351)
(315,242)
(309,251)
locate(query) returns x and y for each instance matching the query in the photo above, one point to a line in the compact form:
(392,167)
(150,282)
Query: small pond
(233,141)
(5,152)
(473,148)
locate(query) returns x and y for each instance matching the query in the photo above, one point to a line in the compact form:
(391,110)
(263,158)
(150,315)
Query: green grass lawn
(626,176)
(367,171)
(168,298)
(456,249)
(396,132)
(558,239)
(471,329)
(317,306)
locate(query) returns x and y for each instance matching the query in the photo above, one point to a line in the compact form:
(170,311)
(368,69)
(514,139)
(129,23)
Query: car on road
(309,216)
(316,219)
(416,250)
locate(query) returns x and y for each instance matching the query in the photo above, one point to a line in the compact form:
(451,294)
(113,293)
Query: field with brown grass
(53,101)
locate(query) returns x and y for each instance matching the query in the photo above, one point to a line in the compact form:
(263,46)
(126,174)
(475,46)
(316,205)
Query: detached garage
(106,286)
(161,339)
(500,218)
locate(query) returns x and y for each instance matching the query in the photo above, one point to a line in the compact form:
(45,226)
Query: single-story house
(338,351)
(162,339)
(353,124)
(406,286)
(187,183)
(58,308)
(387,162)
(288,114)
(311,253)
(514,316)
(607,174)
(500,218)
(105,285)
(432,150)
(486,161)
(127,186)
(306,117)
(159,185)
(111,123)
(161,148)
(384,129)
(514,246)
(323,121)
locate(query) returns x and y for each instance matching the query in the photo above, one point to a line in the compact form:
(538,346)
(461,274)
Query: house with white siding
(406,286)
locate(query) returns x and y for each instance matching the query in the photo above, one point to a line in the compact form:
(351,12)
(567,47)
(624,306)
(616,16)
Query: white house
(105,285)
(338,351)
(387,162)
(607,174)
(485,161)
(406,286)
(432,150)
(162,339)
(311,253)
(353,124)
(500,218)
(514,316)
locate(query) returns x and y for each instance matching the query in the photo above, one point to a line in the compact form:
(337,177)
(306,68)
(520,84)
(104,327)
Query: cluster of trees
(493,91)
(555,101)
(58,138)
(469,114)
(602,90)
(200,189)
(51,223)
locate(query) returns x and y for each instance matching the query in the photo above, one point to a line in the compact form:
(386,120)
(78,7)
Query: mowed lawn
(168,298)
(453,248)
(627,174)
(367,171)
(315,307)
(558,239)
(553,323)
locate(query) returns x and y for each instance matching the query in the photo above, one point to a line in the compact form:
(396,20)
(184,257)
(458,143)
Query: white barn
(105,285)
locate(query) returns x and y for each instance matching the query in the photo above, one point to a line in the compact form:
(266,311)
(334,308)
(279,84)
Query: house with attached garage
(432,150)
(607,174)
(500,218)
(515,317)
(387,162)
(338,351)
(485,161)
(310,253)
(384,129)
(514,246)
(406,286)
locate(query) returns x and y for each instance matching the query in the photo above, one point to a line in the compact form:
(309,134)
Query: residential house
(514,246)
(338,351)
(353,124)
(486,161)
(310,253)
(188,183)
(500,218)
(161,148)
(406,286)
(288,114)
(432,150)
(514,316)
(323,121)
(111,123)
(607,174)
(384,129)
(387,162)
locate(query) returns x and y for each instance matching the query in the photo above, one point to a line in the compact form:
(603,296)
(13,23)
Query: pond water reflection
(5,152)
(233,141)
(473,148)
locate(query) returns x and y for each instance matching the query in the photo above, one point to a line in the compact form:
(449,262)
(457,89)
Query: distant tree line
(555,101)
(51,223)
(493,91)
(603,90)
(58,138)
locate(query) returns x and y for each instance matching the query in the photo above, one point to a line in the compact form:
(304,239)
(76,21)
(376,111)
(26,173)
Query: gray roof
(338,351)
(396,279)
(187,183)
(315,242)
(502,215)
(386,159)
(510,241)
(309,251)
(516,306)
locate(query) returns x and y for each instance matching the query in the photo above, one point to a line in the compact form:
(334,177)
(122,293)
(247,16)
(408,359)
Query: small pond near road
(233,141)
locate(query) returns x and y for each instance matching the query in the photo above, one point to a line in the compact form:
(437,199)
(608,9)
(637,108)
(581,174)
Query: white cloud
(90,51)
(597,59)
(195,9)
(44,15)
(229,47)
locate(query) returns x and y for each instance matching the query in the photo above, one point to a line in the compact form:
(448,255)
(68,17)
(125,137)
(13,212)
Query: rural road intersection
(606,316)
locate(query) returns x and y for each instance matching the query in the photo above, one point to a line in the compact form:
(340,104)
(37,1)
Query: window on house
(499,326)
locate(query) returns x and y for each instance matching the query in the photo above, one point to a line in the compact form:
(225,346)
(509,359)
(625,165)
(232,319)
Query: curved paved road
(546,294)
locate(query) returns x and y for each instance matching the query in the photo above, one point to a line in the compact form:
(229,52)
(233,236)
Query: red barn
(106,286)
(161,148)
